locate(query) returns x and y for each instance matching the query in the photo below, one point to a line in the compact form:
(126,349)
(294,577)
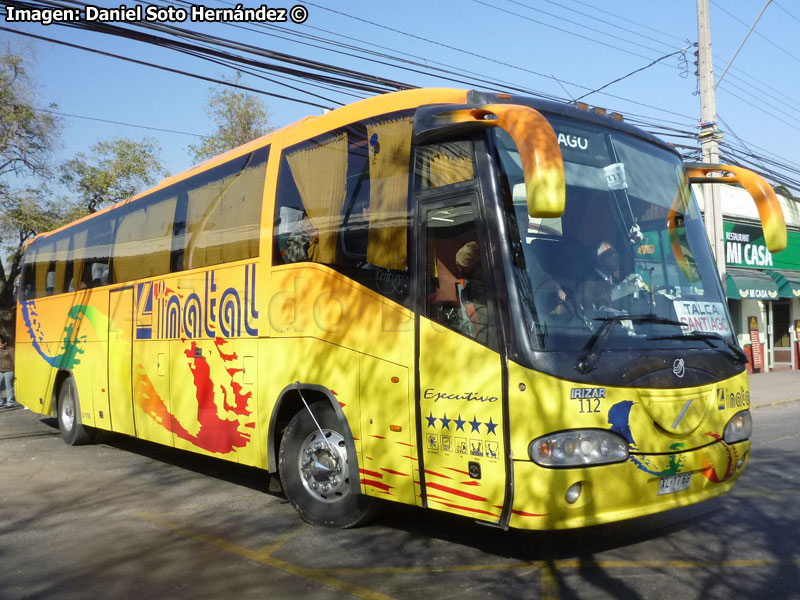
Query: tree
(786,192)
(240,118)
(27,137)
(118,169)
(24,214)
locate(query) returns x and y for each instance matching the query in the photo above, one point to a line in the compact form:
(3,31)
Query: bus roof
(376,105)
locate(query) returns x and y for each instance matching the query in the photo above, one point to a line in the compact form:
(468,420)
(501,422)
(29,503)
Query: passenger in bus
(471,292)
(296,235)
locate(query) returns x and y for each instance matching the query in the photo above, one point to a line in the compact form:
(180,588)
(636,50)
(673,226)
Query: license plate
(674,483)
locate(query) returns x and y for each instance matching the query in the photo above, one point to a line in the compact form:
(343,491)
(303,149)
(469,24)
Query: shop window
(781,324)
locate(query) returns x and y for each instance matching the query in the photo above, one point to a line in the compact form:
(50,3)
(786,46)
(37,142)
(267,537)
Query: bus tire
(314,471)
(73,431)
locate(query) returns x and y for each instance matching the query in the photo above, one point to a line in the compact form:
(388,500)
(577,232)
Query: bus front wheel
(73,432)
(314,470)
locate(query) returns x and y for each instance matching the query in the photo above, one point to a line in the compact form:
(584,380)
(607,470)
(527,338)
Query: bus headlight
(578,448)
(739,428)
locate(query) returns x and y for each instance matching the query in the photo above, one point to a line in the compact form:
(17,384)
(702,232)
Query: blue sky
(580,42)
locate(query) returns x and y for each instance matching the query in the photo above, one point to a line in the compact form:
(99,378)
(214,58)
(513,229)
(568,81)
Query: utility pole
(709,137)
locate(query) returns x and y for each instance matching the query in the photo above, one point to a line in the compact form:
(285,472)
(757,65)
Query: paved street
(128,519)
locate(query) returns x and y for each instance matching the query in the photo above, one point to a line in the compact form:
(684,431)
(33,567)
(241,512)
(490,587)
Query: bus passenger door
(460,394)
(120,359)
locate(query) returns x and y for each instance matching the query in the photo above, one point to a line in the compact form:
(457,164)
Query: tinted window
(343,200)
(223,214)
(443,164)
(211,218)
(455,289)
(143,241)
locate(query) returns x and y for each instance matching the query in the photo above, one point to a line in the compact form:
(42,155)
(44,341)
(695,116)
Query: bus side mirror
(536,141)
(769,210)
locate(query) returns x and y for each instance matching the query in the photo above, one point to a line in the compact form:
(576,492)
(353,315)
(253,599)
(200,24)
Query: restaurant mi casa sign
(745,247)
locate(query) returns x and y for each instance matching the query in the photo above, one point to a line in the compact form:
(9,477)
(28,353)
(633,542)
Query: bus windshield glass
(630,243)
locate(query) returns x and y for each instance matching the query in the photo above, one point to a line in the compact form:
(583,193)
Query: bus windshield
(630,243)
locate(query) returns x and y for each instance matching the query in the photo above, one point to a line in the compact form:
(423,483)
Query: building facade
(763,289)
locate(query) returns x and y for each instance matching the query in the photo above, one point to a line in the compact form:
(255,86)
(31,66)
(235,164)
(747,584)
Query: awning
(751,284)
(788,282)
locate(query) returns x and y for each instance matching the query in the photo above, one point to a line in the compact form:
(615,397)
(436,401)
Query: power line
(761,109)
(501,85)
(203,46)
(446,73)
(735,54)
(729,128)
(761,84)
(496,61)
(618,79)
(328,73)
(786,11)
(572,33)
(163,68)
(612,24)
(627,20)
(63,114)
(748,90)
(758,33)
(582,25)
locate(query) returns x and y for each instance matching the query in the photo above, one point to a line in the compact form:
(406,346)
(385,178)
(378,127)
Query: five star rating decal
(444,422)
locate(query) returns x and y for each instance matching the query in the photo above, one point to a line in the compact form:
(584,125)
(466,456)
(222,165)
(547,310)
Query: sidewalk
(769,388)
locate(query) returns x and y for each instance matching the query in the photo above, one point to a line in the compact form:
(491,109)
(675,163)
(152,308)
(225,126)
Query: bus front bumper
(642,485)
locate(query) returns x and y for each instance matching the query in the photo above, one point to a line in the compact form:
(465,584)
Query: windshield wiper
(598,340)
(641,319)
(707,336)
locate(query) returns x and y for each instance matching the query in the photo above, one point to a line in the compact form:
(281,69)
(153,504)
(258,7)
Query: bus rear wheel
(315,473)
(73,432)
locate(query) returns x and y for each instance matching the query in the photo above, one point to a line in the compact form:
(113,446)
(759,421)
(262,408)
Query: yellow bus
(483,304)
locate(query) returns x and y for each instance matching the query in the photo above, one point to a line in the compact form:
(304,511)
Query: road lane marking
(548,570)
(317,575)
(267,550)
(550,588)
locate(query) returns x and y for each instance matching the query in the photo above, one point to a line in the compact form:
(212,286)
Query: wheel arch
(289,403)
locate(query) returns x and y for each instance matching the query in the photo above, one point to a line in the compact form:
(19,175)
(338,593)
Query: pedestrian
(7,372)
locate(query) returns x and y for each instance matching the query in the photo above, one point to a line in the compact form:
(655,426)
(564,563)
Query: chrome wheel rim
(323,466)
(68,411)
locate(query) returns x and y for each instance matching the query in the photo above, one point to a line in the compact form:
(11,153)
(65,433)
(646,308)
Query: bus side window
(44,268)
(56,277)
(143,241)
(455,291)
(97,251)
(443,164)
(343,201)
(27,289)
(223,212)
(76,260)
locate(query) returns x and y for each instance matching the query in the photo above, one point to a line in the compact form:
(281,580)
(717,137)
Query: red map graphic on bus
(215,434)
